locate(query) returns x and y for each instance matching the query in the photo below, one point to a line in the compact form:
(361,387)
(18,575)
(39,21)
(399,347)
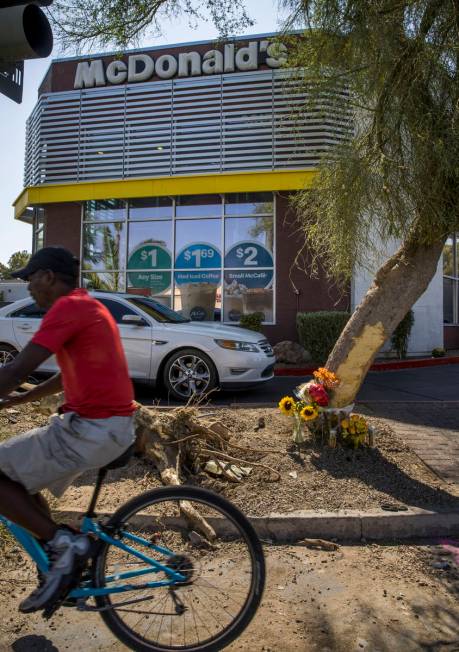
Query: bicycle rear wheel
(224,578)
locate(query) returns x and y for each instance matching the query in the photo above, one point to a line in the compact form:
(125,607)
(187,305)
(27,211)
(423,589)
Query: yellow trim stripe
(162,186)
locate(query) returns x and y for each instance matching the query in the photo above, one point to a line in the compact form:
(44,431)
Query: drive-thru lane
(406,385)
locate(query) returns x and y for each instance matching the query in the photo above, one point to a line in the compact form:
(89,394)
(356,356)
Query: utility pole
(25,33)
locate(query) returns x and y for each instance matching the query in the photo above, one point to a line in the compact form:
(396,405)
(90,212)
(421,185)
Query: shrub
(401,335)
(252,321)
(318,331)
(438,352)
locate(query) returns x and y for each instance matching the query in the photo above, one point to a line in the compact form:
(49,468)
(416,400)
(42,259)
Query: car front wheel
(189,373)
(7,354)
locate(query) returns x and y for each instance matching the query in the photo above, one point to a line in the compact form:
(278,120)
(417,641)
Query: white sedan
(187,357)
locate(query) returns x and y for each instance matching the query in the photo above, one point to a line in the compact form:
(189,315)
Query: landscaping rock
(291,353)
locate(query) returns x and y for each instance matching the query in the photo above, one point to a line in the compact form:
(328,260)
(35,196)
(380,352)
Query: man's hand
(9,401)
(18,370)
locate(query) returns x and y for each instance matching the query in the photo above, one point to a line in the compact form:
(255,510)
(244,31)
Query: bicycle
(149,553)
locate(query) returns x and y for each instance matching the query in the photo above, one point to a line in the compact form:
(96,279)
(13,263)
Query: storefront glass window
(199,206)
(104,246)
(198,264)
(246,292)
(104,281)
(249,203)
(154,232)
(150,208)
(245,231)
(150,259)
(185,253)
(198,246)
(451,280)
(106,210)
(38,230)
(198,296)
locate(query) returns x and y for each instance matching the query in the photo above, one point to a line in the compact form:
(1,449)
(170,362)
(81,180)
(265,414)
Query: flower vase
(298,429)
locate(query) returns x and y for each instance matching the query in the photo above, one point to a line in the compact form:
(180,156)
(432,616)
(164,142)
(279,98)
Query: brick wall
(314,293)
(63,226)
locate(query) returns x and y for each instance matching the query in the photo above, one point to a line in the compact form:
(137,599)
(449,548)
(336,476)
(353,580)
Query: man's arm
(51,386)
(16,372)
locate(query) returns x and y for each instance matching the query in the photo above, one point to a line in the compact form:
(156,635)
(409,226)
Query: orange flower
(327,378)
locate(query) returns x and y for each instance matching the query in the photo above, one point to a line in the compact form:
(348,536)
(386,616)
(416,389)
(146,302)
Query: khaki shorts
(53,456)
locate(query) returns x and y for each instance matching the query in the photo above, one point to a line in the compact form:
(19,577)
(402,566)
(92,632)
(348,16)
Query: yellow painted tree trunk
(397,286)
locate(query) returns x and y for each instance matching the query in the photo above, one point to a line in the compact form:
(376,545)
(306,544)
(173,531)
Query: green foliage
(4,272)
(319,331)
(401,335)
(252,321)
(87,24)
(18,259)
(438,352)
(394,66)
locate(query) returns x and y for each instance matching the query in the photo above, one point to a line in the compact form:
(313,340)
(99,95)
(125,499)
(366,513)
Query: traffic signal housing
(25,33)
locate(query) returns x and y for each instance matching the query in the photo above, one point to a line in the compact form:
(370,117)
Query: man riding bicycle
(95,424)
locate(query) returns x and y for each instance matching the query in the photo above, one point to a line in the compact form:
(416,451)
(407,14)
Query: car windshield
(157,310)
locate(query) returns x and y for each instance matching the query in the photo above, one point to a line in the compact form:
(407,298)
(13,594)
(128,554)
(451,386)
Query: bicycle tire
(183,493)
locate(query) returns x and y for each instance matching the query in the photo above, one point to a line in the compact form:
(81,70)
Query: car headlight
(233,345)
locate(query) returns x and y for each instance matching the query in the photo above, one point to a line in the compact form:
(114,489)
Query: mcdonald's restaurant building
(168,171)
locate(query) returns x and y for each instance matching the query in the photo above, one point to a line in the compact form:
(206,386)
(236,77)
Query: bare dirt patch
(314,601)
(317,478)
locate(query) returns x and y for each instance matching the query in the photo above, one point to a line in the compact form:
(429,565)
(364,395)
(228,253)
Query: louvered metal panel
(148,130)
(241,121)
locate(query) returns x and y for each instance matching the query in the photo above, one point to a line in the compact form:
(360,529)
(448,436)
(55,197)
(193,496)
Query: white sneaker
(67,553)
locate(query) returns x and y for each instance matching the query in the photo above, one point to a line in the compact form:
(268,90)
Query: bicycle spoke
(217,605)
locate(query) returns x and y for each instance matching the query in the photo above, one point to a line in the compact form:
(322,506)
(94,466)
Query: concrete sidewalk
(430,428)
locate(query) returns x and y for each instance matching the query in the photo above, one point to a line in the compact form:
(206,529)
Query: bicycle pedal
(50,609)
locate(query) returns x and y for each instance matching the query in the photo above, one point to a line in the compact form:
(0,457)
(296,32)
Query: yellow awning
(198,184)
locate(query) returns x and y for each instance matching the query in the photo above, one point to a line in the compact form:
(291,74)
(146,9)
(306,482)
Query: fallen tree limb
(177,441)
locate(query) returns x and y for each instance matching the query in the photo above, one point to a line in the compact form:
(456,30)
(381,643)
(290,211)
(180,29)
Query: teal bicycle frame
(85,590)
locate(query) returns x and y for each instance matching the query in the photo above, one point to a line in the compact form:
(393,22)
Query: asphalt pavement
(404,385)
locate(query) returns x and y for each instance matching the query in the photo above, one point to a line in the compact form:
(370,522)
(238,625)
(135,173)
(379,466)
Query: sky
(15,235)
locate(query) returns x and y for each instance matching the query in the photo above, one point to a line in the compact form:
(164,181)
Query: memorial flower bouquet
(301,412)
(354,430)
(311,408)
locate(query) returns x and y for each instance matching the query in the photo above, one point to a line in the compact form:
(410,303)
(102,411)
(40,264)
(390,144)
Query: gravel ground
(316,478)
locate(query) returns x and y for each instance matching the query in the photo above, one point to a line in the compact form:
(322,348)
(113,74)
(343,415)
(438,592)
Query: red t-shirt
(85,338)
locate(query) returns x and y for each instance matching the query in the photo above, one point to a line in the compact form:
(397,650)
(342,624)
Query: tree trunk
(397,286)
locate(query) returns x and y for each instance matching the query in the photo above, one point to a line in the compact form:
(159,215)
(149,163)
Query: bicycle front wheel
(222,577)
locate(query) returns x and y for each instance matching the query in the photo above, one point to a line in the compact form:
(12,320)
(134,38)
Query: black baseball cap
(57,259)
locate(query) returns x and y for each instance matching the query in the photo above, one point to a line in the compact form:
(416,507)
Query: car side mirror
(133,320)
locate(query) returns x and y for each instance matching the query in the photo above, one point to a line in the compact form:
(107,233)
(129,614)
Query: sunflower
(309,412)
(287,405)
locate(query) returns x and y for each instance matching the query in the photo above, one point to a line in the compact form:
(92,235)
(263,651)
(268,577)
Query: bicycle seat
(120,461)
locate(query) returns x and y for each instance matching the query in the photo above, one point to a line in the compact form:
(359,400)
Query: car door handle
(25,327)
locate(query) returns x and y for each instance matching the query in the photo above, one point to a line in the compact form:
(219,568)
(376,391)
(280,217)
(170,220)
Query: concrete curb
(377,366)
(346,525)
